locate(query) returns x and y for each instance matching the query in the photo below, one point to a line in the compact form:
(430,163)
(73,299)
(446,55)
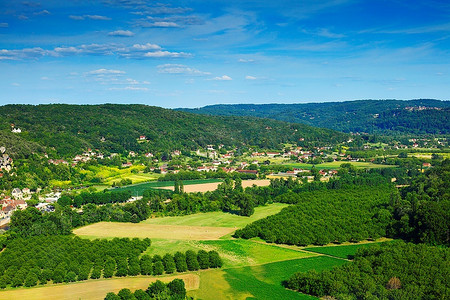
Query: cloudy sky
(193,53)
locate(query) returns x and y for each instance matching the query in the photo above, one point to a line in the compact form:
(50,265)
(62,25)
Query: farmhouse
(247,171)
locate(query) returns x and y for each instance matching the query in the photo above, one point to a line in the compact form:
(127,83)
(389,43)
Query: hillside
(371,116)
(70,129)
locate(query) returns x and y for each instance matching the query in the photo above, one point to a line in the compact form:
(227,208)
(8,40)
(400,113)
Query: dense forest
(370,116)
(395,270)
(325,216)
(66,130)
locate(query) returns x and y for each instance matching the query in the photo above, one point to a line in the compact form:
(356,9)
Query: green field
(234,252)
(219,219)
(345,251)
(258,282)
(138,189)
(337,164)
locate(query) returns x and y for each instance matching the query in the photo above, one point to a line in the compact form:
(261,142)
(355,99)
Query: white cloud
(128,88)
(105,71)
(137,51)
(125,33)
(4,25)
(248,77)
(160,24)
(180,69)
(242,60)
(78,18)
(45,78)
(15,84)
(42,13)
(91,17)
(224,77)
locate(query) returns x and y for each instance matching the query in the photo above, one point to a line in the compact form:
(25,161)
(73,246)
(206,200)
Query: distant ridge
(70,129)
(421,116)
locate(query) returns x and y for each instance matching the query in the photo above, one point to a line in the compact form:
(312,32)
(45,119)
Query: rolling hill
(69,129)
(370,116)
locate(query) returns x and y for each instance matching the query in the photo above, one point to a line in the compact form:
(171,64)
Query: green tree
(146,265)
(177,289)
(169,263)
(180,262)
(191,261)
(158,268)
(203,259)
(109,268)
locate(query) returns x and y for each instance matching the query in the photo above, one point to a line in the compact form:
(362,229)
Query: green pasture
(337,164)
(258,282)
(219,219)
(138,189)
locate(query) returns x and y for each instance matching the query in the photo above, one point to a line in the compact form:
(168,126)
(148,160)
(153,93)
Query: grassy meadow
(218,219)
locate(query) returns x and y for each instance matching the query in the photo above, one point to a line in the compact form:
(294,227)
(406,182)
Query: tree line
(174,290)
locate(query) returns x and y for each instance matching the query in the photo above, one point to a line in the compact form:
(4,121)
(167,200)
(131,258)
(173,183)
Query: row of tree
(395,270)
(174,290)
(29,261)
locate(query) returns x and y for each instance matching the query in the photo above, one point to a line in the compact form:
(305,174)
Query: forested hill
(371,116)
(70,129)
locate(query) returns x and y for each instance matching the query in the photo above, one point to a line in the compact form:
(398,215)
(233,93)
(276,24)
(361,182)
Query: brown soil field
(141,230)
(93,289)
(207,187)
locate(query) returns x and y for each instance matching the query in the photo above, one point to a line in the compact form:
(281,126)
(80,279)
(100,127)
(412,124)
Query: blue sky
(195,53)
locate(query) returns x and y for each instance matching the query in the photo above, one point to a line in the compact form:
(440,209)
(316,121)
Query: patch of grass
(235,253)
(258,282)
(140,230)
(219,219)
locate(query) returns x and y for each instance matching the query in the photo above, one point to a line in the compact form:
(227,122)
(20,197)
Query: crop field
(219,219)
(139,230)
(94,289)
(337,164)
(138,189)
(258,282)
(212,186)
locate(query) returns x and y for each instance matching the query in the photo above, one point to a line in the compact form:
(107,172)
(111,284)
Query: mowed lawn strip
(94,289)
(139,230)
(218,218)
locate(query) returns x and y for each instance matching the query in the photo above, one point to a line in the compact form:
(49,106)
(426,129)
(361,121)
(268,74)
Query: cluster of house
(5,161)
(86,156)
(8,206)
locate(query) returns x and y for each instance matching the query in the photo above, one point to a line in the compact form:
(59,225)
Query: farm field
(218,219)
(337,164)
(258,282)
(139,230)
(138,189)
(93,289)
(208,187)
